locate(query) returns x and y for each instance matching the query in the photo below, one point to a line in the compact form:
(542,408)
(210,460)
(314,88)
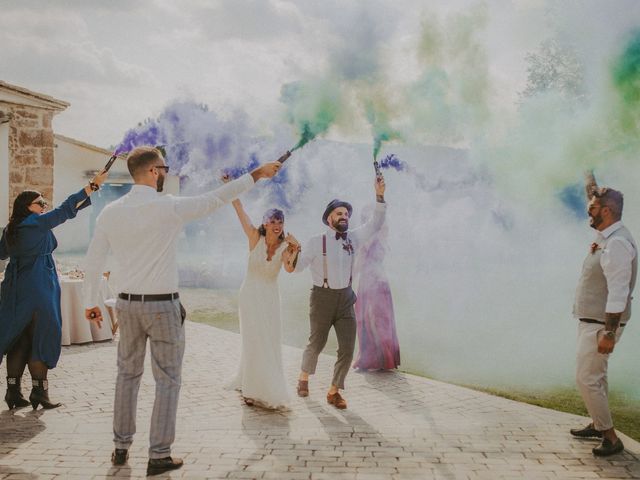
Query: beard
(341,225)
(159,183)
(595,221)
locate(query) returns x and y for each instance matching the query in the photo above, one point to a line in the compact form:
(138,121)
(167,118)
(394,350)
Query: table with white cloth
(76,329)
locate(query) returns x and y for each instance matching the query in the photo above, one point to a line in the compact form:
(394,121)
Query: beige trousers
(591,374)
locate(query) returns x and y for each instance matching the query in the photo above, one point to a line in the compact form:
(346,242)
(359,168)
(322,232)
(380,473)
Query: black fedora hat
(333,204)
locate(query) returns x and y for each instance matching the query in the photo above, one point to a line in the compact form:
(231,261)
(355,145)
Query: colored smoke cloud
(201,146)
(486,213)
(312,107)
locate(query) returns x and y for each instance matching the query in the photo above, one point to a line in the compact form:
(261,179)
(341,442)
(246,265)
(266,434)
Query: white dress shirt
(339,261)
(616,264)
(141,231)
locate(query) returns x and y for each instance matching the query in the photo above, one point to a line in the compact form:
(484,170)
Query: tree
(554,68)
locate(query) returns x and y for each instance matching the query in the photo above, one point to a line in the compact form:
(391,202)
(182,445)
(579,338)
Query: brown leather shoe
(336,400)
(303,388)
(157,466)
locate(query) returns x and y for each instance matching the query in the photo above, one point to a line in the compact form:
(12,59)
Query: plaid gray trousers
(162,324)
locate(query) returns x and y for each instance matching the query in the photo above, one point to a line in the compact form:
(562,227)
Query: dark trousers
(331,307)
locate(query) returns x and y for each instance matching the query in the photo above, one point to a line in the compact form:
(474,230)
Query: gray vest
(592,291)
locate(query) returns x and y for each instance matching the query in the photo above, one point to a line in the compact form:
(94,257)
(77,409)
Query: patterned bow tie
(342,235)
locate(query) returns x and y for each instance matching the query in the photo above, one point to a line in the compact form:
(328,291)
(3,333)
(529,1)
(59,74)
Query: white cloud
(57,48)
(252,20)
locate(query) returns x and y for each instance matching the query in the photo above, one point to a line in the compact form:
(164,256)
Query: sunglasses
(164,167)
(42,203)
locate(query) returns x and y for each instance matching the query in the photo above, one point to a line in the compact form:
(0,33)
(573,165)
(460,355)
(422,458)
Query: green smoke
(448,102)
(626,80)
(626,71)
(312,107)
(380,127)
(614,124)
(561,130)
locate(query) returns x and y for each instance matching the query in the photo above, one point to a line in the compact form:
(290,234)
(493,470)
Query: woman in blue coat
(30,319)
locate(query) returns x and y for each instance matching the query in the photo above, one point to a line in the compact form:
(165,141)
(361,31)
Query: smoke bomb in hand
(284,157)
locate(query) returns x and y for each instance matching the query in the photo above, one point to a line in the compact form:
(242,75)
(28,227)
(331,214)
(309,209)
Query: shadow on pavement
(17,427)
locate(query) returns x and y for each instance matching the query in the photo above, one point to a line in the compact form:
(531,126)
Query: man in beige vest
(603,306)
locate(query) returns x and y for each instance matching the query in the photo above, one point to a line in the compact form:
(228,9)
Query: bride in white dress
(261,377)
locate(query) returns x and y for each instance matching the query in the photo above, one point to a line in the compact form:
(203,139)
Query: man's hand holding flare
(267,170)
(605,344)
(380,188)
(94,315)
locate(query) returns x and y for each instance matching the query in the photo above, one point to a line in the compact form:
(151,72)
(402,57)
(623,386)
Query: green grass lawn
(215,318)
(625,410)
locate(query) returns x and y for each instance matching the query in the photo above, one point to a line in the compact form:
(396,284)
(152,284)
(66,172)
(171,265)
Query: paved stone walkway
(398,426)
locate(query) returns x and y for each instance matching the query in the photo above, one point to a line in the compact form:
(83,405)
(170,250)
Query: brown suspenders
(325,282)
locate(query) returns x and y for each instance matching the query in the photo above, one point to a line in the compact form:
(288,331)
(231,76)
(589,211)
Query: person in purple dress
(378,347)
(30,318)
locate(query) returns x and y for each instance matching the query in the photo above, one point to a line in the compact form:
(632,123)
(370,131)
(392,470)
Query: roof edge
(51,101)
(80,143)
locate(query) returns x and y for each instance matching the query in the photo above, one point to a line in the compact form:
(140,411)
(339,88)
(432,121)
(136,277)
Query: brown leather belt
(163,297)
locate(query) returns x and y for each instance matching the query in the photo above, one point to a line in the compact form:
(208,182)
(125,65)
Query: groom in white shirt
(330,257)
(141,230)
(603,308)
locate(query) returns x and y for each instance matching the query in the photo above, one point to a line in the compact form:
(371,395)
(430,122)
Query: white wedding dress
(261,373)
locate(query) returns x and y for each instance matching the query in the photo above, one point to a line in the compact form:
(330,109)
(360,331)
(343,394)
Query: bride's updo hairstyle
(271,214)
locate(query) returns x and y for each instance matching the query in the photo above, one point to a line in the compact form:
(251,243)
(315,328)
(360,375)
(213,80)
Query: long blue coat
(30,288)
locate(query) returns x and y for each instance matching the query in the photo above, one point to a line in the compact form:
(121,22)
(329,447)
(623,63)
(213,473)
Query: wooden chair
(109,300)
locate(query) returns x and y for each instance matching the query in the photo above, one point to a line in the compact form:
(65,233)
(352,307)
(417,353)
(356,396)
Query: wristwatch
(94,186)
(610,334)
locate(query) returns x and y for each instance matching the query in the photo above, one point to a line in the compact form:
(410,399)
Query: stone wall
(30,151)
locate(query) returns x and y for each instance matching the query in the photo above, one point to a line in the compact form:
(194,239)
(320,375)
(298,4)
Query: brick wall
(30,151)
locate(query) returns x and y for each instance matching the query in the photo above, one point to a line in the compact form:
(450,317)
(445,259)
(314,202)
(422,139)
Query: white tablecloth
(76,328)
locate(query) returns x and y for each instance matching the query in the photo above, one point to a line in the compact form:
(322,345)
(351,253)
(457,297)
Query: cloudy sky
(120,61)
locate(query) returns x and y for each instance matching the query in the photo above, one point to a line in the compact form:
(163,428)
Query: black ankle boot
(14,396)
(40,394)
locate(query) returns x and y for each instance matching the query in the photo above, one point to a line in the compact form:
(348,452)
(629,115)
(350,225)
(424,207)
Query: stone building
(33,157)
(26,143)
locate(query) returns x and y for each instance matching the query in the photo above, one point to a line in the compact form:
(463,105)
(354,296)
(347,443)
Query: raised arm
(363,233)
(70,207)
(590,184)
(65,211)
(192,208)
(250,231)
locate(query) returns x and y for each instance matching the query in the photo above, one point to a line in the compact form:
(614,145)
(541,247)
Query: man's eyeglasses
(164,167)
(42,203)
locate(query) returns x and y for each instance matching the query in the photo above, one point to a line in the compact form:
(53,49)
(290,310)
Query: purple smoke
(392,161)
(235,172)
(200,145)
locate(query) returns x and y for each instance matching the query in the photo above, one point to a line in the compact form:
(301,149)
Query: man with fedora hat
(330,257)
